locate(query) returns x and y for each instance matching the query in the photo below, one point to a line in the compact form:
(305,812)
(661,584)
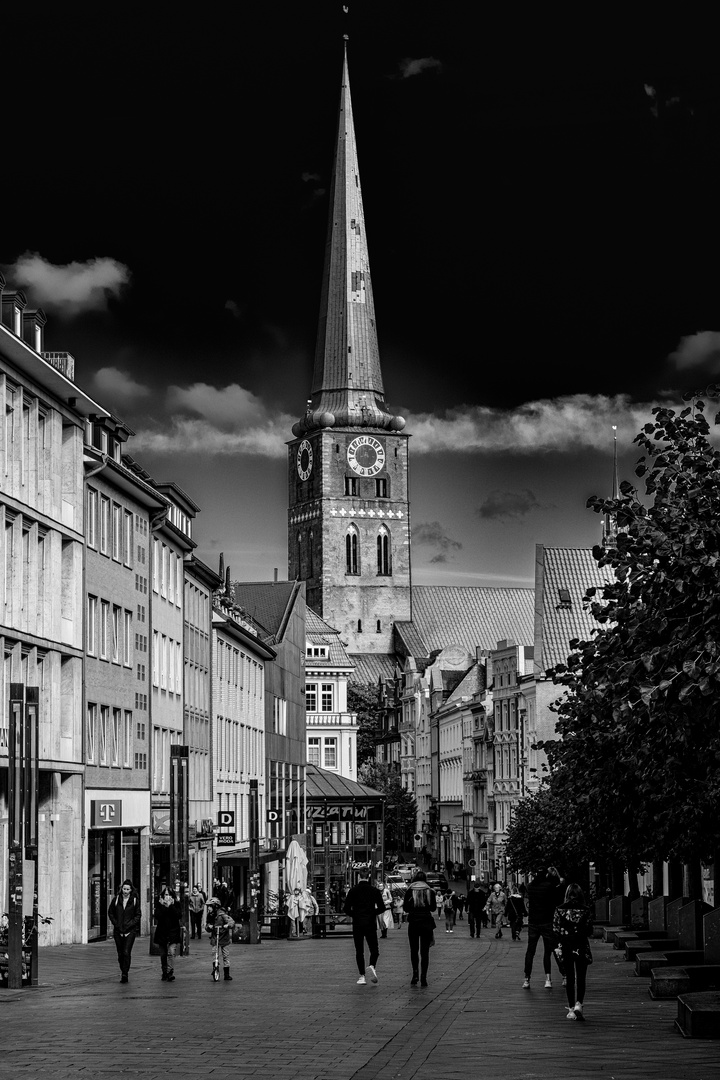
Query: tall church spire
(347,387)
(610,529)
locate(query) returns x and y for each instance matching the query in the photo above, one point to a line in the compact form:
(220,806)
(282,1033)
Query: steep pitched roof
(370,668)
(266,602)
(562,577)
(472,617)
(408,642)
(318,632)
(321,784)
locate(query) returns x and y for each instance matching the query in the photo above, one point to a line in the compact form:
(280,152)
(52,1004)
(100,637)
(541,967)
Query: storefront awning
(241,856)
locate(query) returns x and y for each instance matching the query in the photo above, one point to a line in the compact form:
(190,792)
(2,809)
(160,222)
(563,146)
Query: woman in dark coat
(419,903)
(573,925)
(124,914)
(167,931)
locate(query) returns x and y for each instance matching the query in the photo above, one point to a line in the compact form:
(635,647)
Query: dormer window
(565,598)
(320,651)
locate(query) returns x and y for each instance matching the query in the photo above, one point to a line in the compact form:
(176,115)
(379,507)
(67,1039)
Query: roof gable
(562,577)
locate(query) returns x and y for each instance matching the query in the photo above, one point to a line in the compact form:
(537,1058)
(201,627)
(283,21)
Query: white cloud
(183,435)
(565,423)
(410,66)
(71,289)
(227,407)
(701,350)
(117,385)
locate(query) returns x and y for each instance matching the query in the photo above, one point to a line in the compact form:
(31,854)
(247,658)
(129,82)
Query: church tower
(349,514)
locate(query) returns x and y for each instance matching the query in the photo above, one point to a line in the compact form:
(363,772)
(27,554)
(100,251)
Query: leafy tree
(364,701)
(545,831)
(639,753)
(400,804)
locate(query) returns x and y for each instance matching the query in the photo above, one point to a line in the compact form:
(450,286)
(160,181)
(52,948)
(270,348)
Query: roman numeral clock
(366,455)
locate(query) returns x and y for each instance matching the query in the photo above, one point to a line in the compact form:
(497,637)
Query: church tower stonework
(349,512)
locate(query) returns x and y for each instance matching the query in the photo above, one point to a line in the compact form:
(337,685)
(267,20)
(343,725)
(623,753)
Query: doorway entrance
(113,856)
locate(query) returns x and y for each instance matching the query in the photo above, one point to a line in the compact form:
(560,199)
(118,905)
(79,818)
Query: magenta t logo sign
(106,813)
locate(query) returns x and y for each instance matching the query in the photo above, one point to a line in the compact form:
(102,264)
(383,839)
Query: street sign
(471,862)
(273,816)
(225,839)
(225,818)
(418,836)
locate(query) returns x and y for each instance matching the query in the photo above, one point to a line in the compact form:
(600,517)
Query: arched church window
(383,551)
(352,556)
(298,555)
(359,629)
(311,572)
(378,628)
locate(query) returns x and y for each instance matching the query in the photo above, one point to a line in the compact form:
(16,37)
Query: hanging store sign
(105,813)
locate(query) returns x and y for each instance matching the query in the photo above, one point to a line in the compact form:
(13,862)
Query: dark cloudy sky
(541,199)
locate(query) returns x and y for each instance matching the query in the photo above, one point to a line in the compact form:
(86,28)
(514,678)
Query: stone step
(672,981)
(646,961)
(699,1015)
(609,933)
(632,948)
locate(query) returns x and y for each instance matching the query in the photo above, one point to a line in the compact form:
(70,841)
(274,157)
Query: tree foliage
(400,804)
(364,701)
(545,831)
(639,754)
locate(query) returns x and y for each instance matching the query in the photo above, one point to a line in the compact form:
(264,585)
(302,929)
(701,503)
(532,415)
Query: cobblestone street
(293,1010)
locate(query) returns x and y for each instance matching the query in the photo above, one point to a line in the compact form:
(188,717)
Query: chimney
(13,305)
(33,325)
(221,570)
(275,577)
(228,587)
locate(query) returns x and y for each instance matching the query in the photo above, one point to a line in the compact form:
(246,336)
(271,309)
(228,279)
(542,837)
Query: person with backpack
(515,911)
(449,911)
(419,904)
(219,924)
(573,925)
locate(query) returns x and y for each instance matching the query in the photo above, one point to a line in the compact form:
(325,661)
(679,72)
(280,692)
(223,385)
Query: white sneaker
(548,982)
(571,1014)
(526,985)
(361,981)
(578,1010)
(373,973)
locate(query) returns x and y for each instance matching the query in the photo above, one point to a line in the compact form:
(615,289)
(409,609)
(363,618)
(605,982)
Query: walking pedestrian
(545,892)
(167,931)
(573,925)
(124,913)
(363,904)
(419,904)
(495,907)
(312,908)
(196,904)
(475,902)
(397,909)
(383,924)
(219,924)
(515,911)
(449,911)
(458,904)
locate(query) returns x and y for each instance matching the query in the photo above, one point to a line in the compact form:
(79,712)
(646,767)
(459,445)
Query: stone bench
(699,1015)
(672,981)
(610,933)
(646,961)
(632,948)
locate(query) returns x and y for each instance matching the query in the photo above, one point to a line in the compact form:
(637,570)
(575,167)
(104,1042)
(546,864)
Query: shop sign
(343,813)
(105,813)
(161,822)
(225,839)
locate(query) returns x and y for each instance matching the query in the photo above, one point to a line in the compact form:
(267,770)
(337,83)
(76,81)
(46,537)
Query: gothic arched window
(352,551)
(383,552)
(311,554)
(298,555)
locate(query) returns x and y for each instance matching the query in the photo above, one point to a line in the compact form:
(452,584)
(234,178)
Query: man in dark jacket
(167,931)
(124,914)
(364,903)
(476,900)
(545,892)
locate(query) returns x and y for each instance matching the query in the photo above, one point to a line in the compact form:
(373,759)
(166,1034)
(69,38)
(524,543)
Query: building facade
(331,729)
(42,425)
(119,508)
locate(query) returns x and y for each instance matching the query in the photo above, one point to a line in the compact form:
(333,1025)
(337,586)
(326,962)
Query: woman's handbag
(387,919)
(588,954)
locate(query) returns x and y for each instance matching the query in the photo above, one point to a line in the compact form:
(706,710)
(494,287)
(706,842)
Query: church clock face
(366,455)
(304,460)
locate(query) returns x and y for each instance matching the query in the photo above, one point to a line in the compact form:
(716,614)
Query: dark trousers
(363,932)
(516,926)
(196,923)
(535,932)
(474,921)
(420,937)
(575,973)
(124,944)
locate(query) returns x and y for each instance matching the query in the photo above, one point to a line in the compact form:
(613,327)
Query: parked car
(406,869)
(437,881)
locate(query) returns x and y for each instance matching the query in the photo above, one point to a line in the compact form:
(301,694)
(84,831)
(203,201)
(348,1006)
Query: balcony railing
(331,719)
(476,776)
